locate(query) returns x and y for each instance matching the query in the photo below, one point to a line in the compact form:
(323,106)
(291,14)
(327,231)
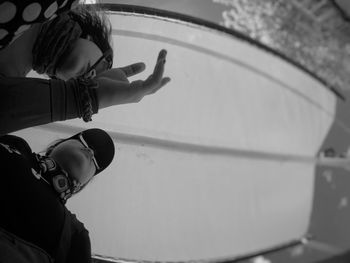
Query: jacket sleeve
(27,102)
(16,142)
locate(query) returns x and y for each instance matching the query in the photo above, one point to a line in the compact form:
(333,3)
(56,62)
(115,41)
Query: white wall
(216,164)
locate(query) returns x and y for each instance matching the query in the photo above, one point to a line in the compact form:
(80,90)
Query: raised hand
(115,88)
(156,80)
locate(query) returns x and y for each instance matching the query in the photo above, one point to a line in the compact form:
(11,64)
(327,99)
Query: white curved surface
(166,197)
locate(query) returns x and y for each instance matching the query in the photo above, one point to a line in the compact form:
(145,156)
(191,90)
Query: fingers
(155,81)
(137,84)
(162,54)
(159,68)
(151,89)
(165,81)
(133,69)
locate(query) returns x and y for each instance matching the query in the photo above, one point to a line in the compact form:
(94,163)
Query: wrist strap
(83,98)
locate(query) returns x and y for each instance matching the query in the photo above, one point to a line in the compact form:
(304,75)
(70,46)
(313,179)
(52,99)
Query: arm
(15,142)
(27,102)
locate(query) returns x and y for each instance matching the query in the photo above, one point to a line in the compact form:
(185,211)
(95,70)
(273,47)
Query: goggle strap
(87,146)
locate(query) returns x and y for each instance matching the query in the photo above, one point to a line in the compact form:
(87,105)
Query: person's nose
(90,152)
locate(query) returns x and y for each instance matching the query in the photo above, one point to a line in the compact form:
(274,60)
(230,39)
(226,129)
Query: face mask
(56,177)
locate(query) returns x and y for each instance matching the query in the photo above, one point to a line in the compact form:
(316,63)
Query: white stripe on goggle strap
(87,146)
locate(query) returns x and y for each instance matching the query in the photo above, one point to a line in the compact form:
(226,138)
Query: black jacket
(31,210)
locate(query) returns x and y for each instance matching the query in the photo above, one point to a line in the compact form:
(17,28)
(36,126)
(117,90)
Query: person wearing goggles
(81,157)
(35,190)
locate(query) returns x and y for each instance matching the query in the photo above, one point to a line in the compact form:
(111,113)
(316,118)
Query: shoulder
(76,225)
(14,144)
(17,16)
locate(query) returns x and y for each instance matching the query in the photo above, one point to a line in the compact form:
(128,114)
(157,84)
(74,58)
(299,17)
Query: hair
(95,25)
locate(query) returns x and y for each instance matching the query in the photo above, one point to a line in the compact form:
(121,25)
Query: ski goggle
(83,142)
(106,58)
